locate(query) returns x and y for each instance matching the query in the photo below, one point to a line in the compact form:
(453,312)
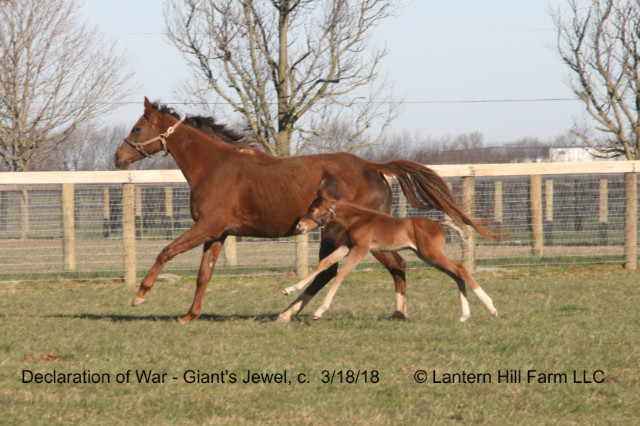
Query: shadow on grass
(167,318)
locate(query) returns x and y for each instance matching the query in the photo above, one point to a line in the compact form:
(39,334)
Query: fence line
(113,224)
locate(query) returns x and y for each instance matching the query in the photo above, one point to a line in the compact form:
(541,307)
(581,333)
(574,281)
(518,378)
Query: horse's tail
(426,190)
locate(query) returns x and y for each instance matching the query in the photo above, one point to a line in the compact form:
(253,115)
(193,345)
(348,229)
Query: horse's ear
(323,194)
(148,106)
(328,186)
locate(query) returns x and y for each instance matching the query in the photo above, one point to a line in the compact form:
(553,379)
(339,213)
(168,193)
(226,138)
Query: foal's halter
(162,138)
(321,220)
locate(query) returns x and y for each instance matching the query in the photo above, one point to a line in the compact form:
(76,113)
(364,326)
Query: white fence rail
(90,225)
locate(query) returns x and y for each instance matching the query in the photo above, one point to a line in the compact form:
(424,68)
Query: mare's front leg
(209,257)
(396,266)
(355,256)
(195,236)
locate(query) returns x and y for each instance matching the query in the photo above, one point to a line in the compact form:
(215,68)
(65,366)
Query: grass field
(574,328)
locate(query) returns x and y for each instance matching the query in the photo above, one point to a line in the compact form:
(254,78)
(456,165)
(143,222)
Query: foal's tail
(455,227)
(426,190)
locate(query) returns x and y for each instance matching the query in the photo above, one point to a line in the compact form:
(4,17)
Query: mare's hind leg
(396,266)
(191,238)
(209,257)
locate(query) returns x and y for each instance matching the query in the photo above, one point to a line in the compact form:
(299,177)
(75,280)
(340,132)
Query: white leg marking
(401,303)
(294,308)
(486,300)
(352,260)
(326,303)
(298,286)
(466,312)
(324,264)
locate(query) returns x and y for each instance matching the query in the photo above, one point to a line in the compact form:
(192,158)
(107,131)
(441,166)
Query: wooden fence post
(231,251)
(168,210)
(106,212)
(138,211)
(68,227)
(548,211)
(447,230)
(535,195)
(631,221)
(603,212)
(25,226)
(129,233)
(468,206)
(3,210)
(302,255)
(402,203)
(497,202)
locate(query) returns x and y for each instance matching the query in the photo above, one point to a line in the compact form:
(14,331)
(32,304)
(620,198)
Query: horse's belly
(261,229)
(392,245)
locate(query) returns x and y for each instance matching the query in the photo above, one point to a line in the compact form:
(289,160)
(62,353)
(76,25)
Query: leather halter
(139,146)
(321,220)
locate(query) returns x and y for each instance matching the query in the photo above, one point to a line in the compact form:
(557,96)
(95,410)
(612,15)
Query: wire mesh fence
(564,219)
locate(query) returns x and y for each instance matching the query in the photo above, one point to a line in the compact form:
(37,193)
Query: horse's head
(320,212)
(147,137)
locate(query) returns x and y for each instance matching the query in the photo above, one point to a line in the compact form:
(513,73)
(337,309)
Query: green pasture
(571,333)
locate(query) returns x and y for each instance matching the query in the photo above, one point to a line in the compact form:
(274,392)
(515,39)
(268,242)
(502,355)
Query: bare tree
(600,42)
(277,61)
(87,148)
(55,74)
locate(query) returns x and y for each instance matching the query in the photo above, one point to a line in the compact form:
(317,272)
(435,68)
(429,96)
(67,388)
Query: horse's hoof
(283,319)
(495,314)
(464,318)
(397,315)
(316,317)
(137,301)
(188,318)
(286,292)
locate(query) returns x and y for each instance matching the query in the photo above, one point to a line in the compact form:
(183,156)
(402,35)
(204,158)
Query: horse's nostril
(120,164)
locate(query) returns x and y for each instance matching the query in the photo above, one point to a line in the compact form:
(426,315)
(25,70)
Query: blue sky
(461,65)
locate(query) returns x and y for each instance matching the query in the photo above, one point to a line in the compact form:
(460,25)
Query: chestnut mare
(373,231)
(239,190)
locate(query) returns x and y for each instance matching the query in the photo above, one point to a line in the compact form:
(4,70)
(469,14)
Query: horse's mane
(209,126)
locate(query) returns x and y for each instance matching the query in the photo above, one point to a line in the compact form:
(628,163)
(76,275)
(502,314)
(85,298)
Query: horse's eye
(136,129)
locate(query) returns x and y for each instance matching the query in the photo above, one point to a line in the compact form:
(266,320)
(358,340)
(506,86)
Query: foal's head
(320,212)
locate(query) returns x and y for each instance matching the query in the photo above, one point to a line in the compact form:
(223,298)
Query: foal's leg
(323,265)
(191,238)
(209,257)
(396,266)
(327,246)
(355,255)
(461,275)
(296,306)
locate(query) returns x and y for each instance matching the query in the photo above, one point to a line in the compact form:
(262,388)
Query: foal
(370,230)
